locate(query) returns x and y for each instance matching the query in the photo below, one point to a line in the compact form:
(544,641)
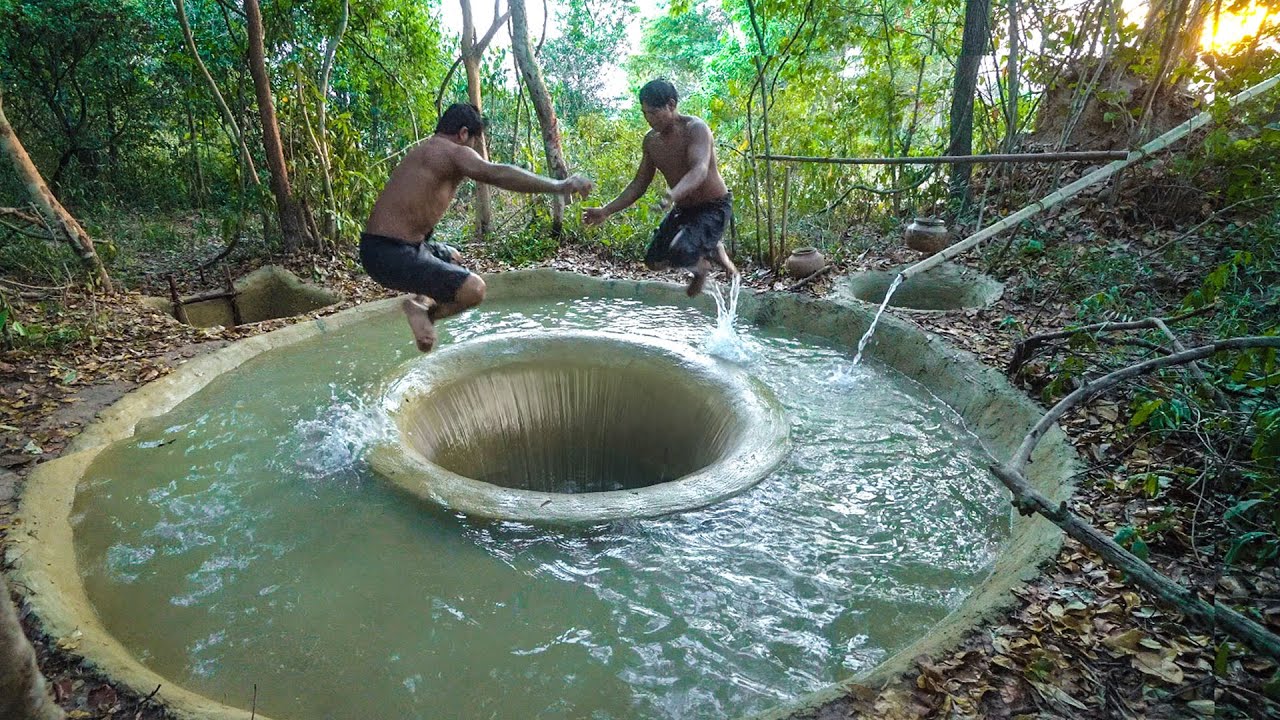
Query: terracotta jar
(804,261)
(927,235)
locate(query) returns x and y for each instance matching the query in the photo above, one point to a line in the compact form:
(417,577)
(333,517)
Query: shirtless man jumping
(680,146)
(396,248)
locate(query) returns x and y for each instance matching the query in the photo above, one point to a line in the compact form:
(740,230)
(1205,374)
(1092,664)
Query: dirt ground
(1079,643)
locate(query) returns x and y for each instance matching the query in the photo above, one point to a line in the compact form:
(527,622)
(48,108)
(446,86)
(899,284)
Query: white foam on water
(336,440)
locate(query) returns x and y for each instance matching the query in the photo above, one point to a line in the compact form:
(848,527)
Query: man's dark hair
(461,115)
(657,93)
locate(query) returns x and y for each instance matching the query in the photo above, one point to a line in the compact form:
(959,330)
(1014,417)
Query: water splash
(723,341)
(336,440)
(862,344)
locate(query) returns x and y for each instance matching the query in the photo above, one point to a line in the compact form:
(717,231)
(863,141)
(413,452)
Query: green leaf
(1240,544)
(1125,534)
(1140,549)
(1222,658)
(1240,508)
(1271,688)
(1144,411)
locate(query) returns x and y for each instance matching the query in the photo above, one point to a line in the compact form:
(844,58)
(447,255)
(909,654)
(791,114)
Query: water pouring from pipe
(862,343)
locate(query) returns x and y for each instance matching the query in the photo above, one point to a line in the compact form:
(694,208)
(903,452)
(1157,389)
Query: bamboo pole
(1093,178)
(957,159)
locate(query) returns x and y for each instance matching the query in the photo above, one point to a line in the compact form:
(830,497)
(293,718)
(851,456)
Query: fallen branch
(1219,399)
(22,215)
(809,278)
(231,245)
(1026,349)
(1027,500)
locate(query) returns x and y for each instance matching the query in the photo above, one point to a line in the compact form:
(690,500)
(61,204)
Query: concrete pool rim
(41,550)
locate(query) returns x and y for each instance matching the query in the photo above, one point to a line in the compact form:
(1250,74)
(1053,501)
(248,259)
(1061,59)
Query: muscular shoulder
(695,126)
(441,157)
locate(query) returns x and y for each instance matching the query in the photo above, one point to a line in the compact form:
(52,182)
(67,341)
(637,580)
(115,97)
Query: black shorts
(703,227)
(424,268)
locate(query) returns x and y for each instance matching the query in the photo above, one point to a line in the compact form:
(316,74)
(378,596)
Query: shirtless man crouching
(680,146)
(396,248)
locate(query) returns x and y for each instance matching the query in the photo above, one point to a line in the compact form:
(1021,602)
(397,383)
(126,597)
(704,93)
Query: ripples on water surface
(241,539)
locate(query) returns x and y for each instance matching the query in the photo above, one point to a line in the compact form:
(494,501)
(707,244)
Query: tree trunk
(471,63)
(22,690)
(293,225)
(1012,82)
(761,61)
(80,241)
(247,170)
(972,46)
(541,100)
(331,210)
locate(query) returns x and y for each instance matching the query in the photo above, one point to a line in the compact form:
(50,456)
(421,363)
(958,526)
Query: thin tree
(972,46)
(541,100)
(62,220)
(331,213)
(247,170)
(23,695)
(472,51)
(294,228)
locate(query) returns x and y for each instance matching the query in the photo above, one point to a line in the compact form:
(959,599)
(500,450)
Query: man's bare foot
(424,331)
(696,283)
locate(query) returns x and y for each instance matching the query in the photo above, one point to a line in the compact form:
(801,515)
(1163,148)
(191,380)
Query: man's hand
(593,216)
(576,185)
(665,202)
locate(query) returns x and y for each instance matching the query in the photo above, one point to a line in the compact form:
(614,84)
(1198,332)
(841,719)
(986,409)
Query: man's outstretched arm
(629,195)
(510,177)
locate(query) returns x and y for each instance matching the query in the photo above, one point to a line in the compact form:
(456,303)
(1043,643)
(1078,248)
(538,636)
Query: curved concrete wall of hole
(944,288)
(41,545)
(267,293)
(669,391)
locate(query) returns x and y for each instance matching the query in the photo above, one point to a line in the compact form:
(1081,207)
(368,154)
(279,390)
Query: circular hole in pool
(242,540)
(580,427)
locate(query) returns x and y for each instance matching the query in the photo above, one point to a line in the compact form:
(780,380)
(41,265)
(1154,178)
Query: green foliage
(592,34)
(529,244)
(1130,538)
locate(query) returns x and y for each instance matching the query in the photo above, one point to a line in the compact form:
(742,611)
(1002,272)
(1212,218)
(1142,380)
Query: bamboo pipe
(1160,143)
(957,159)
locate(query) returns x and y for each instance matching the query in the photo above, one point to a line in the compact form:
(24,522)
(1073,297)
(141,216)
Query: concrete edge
(42,551)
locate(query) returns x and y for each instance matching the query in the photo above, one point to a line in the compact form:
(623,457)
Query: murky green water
(241,540)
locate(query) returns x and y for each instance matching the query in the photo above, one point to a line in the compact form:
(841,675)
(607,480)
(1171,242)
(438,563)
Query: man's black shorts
(703,227)
(423,268)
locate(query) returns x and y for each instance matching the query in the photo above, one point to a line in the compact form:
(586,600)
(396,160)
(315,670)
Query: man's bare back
(419,191)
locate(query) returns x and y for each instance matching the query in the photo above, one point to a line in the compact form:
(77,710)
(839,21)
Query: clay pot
(927,235)
(804,261)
